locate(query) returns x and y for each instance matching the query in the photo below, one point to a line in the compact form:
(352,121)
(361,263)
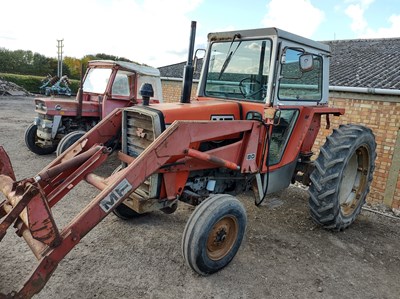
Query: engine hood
(65,107)
(201,110)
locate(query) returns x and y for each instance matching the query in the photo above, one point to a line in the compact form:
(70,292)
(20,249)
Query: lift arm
(28,202)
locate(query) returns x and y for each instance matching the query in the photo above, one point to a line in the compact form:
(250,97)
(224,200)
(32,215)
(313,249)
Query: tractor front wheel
(31,139)
(214,233)
(125,213)
(68,140)
(342,176)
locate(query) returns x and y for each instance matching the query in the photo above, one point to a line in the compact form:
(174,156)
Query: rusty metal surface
(71,163)
(41,222)
(26,206)
(18,195)
(5,164)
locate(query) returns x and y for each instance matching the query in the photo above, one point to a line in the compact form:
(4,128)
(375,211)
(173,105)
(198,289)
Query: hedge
(33,83)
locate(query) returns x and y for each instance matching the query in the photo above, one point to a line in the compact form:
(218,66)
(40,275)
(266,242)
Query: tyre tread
(325,179)
(207,210)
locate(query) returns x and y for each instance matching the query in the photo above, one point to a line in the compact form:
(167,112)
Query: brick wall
(381,113)
(171,90)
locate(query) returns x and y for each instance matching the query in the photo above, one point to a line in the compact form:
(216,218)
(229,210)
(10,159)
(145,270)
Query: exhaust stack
(189,68)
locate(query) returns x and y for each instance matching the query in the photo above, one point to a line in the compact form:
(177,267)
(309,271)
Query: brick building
(365,80)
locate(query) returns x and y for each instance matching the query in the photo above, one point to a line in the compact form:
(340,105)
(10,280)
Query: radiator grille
(139,131)
(141,127)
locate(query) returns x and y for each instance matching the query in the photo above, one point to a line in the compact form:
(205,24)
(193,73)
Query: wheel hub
(354,180)
(222,237)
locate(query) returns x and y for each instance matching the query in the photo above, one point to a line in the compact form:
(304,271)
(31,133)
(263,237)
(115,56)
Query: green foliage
(25,63)
(37,66)
(74,66)
(33,83)
(74,86)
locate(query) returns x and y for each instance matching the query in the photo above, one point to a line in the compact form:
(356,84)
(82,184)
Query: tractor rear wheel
(31,139)
(68,140)
(342,176)
(214,233)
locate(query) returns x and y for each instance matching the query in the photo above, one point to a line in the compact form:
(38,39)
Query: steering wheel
(245,87)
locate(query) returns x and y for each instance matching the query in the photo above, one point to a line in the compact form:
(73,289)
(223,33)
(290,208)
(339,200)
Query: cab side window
(297,84)
(121,85)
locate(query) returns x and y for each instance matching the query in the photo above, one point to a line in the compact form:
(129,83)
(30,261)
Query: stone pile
(12,89)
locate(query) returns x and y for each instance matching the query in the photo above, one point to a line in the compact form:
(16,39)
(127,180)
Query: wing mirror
(306,62)
(199,55)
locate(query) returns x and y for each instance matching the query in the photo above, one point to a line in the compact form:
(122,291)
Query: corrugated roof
(373,63)
(365,63)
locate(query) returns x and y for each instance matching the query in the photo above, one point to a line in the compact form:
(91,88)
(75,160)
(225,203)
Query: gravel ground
(284,255)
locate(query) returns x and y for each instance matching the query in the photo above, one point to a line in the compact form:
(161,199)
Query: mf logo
(140,132)
(108,202)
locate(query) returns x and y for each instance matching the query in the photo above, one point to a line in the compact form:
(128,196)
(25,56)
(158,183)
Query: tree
(74,66)
(29,63)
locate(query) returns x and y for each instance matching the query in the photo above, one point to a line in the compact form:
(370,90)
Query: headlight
(40,106)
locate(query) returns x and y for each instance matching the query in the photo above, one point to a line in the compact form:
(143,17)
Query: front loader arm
(33,198)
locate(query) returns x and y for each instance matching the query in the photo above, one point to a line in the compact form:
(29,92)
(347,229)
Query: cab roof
(262,33)
(130,66)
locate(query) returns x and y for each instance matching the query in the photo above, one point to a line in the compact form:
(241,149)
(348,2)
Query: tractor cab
(117,84)
(268,66)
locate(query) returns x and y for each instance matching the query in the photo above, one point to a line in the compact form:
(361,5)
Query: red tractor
(260,100)
(106,85)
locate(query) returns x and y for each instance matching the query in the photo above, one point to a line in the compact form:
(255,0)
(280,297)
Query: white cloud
(392,31)
(360,26)
(356,12)
(298,16)
(146,31)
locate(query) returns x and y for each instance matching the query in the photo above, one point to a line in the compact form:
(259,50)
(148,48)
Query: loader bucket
(25,206)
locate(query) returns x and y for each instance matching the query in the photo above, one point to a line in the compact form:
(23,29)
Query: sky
(156,32)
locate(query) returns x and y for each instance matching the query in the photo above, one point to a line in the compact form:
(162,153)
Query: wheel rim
(354,181)
(222,238)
